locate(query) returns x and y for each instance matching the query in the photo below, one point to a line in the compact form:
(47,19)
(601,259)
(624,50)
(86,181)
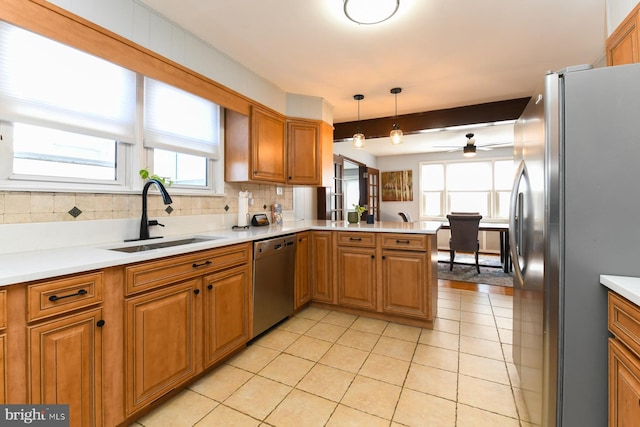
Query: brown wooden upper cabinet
(266,147)
(622,44)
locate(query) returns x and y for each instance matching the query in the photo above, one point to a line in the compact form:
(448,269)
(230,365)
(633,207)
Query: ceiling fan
(469,150)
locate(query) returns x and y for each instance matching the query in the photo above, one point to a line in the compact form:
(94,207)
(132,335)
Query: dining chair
(464,236)
(406,217)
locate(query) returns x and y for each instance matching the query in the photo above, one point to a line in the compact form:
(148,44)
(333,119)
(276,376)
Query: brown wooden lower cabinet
(624,362)
(390,276)
(160,346)
(321,267)
(302,289)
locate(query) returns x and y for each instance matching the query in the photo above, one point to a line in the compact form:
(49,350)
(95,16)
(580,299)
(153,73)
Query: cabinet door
(3,368)
(404,283)
(226,312)
(303,152)
(267,146)
(160,349)
(622,45)
(624,386)
(322,283)
(302,290)
(65,358)
(356,277)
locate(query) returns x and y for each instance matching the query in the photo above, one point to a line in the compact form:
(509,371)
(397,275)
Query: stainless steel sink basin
(158,245)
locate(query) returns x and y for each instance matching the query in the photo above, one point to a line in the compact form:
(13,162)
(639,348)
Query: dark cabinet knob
(196,291)
(209,287)
(100,323)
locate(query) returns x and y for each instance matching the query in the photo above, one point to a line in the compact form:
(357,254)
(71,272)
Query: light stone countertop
(42,264)
(627,287)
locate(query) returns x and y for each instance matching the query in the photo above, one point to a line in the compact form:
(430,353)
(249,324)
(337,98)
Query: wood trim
(622,44)
(413,123)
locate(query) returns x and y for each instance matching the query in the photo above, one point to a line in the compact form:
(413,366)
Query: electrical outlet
(279,191)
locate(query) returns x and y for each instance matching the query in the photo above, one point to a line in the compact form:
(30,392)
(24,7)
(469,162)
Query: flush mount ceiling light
(369,12)
(396,132)
(358,138)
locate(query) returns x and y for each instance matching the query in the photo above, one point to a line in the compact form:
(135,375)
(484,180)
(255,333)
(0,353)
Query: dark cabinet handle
(100,323)
(209,287)
(384,257)
(56,297)
(403,241)
(195,265)
(357,239)
(196,291)
(373,256)
(289,177)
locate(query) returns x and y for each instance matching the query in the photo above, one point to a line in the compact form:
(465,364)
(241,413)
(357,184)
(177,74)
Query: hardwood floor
(478,287)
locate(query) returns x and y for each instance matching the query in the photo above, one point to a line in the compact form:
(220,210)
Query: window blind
(46,83)
(179,121)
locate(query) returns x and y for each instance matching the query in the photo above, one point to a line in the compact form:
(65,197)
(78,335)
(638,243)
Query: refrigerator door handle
(517,223)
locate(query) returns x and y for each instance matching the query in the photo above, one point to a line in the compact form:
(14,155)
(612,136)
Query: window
(71,121)
(483,186)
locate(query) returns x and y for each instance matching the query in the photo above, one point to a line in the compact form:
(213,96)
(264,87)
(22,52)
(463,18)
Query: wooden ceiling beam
(414,123)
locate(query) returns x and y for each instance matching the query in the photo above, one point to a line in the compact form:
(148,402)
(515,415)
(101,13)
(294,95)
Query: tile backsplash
(19,207)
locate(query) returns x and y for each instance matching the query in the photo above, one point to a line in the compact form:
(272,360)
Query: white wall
(346,149)
(616,11)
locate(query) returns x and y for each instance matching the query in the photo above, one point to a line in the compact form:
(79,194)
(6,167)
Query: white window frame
(445,197)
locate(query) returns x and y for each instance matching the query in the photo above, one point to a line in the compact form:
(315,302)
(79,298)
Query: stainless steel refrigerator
(575,214)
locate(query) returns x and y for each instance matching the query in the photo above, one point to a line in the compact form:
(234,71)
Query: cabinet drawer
(356,239)
(3,309)
(152,274)
(624,321)
(63,295)
(408,242)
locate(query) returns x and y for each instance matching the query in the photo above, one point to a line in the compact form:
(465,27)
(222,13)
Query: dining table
(503,229)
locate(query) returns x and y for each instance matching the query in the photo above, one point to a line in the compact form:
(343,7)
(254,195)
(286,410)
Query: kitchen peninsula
(119,315)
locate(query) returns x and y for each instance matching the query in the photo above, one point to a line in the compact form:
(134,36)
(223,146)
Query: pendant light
(396,132)
(369,12)
(358,137)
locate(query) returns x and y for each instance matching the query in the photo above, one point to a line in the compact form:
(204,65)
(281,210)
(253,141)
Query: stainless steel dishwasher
(273,277)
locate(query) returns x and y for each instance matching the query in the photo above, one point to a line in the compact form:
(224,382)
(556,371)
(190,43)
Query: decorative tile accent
(75,212)
(226,208)
(169,209)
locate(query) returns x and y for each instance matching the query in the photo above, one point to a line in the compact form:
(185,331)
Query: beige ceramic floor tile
(506,336)
(221,382)
(340,319)
(436,357)
(185,409)
(487,395)
(480,347)
(448,303)
(402,332)
(417,409)
(440,339)
(504,323)
(478,318)
(327,382)
(258,397)
(501,301)
(437,382)
(392,347)
(287,369)
(309,348)
(346,358)
(448,313)
(227,417)
(277,339)
(503,312)
(344,416)
(372,396)
(357,339)
(507,351)
(313,313)
(298,325)
(474,417)
(471,297)
(253,358)
(446,325)
(301,409)
(385,369)
(479,331)
(476,308)
(326,332)
(373,326)
(484,368)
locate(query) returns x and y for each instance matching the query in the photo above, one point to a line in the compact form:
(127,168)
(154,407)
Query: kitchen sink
(159,245)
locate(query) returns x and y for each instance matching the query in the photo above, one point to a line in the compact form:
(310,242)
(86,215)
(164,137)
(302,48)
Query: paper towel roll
(243,210)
